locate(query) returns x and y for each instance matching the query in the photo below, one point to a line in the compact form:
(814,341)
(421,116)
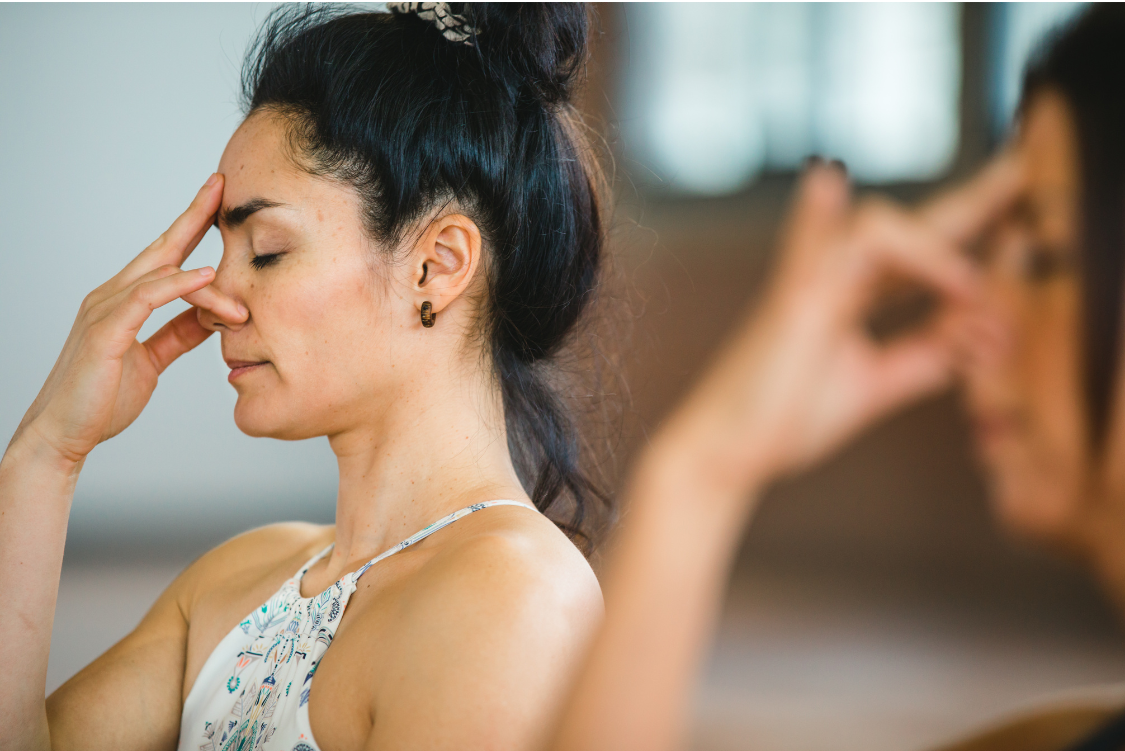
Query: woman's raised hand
(799,378)
(104,376)
(805,374)
(100,383)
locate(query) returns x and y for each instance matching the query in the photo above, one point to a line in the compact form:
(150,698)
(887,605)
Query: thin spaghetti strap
(441,523)
(304,569)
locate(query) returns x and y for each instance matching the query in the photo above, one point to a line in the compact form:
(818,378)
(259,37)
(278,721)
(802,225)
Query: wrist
(31,444)
(718,437)
(693,460)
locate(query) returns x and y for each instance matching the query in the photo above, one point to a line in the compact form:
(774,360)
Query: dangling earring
(428,314)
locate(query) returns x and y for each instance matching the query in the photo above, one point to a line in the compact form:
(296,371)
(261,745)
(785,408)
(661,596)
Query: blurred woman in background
(1037,335)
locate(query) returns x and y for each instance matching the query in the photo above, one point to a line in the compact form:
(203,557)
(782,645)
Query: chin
(1033,506)
(258,419)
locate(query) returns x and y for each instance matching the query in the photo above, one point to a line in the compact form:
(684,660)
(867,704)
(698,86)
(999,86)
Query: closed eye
(1043,263)
(263,260)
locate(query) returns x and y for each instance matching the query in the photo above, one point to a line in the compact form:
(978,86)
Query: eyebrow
(233,216)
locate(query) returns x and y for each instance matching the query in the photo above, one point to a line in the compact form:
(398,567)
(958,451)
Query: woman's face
(318,351)
(1026,400)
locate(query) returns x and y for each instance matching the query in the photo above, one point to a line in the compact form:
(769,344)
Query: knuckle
(88,303)
(93,308)
(140,295)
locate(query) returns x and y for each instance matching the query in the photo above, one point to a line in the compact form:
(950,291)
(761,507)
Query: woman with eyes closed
(1047,409)
(411,230)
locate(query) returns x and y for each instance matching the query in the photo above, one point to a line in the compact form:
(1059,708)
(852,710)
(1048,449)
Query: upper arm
(128,697)
(132,696)
(488,651)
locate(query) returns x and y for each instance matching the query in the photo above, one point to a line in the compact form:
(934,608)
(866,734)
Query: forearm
(664,584)
(36,489)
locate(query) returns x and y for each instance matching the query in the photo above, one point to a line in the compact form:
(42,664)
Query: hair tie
(452,26)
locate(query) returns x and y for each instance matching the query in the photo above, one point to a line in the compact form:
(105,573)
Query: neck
(1109,564)
(424,455)
(1102,546)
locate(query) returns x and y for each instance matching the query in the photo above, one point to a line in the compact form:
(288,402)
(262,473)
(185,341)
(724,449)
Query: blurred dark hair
(1085,63)
(415,122)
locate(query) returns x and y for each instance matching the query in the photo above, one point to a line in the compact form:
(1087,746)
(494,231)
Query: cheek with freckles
(323,321)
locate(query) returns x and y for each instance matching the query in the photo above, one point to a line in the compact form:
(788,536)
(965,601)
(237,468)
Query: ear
(445,261)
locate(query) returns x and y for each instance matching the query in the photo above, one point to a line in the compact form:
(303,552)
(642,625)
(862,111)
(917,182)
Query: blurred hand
(804,374)
(104,377)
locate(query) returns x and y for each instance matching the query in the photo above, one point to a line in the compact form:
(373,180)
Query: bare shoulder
(254,554)
(229,581)
(510,550)
(489,627)
(507,569)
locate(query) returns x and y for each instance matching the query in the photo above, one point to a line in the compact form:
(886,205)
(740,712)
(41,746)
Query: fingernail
(243,311)
(206,271)
(214,178)
(839,164)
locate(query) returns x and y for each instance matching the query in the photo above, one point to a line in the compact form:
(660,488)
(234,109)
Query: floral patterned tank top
(253,692)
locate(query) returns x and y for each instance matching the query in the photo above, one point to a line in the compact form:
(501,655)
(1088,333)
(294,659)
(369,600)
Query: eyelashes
(265,259)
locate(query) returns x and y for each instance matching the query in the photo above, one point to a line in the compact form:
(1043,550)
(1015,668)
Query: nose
(219,307)
(991,341)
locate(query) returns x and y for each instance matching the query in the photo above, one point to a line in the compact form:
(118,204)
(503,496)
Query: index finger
(891,240)
(963,213)
(180,239)
(816,214)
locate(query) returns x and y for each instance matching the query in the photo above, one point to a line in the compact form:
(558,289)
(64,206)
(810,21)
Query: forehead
(1049,143)
(257,164)
(1048,146)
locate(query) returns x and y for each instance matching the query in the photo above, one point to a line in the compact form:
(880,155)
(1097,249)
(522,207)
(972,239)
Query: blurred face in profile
(1026,399)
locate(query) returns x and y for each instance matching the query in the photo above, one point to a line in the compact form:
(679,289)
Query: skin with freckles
(1025,398)
(465,640)
(326,367)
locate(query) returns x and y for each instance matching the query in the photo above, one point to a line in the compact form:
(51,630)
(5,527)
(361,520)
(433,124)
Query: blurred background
(874,605)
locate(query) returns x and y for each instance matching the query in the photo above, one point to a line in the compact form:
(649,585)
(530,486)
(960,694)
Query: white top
(253,692)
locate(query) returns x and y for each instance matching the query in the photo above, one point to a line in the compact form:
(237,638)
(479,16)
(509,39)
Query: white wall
(111,117)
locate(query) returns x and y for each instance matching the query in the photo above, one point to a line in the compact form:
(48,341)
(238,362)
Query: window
(1017,31)
(713,94)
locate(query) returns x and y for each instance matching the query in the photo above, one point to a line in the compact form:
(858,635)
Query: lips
(241,367)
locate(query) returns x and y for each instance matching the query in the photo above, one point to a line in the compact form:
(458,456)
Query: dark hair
(385,103)
(1085,63)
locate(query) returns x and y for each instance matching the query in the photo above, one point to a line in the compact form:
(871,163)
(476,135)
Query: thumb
(909,369)
(182,334)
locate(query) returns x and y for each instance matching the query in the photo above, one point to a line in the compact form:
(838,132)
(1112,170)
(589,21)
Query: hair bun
(541,44)
(452,26)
